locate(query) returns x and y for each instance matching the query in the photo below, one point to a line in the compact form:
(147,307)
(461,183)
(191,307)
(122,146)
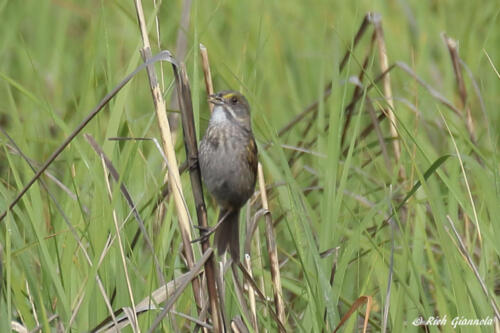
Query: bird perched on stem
(228,163)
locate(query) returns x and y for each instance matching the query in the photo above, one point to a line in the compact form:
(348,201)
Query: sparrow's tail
(227,234)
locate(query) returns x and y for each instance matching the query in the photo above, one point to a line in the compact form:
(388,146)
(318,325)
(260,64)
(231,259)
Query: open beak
(214,99)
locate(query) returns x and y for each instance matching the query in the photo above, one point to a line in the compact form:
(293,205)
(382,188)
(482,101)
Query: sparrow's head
(230,105)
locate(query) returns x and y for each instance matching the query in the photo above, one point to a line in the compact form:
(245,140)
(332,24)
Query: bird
(228,160)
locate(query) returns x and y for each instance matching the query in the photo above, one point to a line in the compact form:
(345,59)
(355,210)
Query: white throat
(218,115)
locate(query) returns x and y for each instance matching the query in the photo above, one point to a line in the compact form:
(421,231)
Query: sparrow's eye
(234,100)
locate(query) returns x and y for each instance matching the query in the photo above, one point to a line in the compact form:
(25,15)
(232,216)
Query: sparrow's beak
(214,99)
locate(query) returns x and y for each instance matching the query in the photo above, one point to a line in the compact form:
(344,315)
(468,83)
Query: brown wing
(252,157)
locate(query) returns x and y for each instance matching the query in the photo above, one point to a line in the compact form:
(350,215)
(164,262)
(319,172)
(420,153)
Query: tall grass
(348,222)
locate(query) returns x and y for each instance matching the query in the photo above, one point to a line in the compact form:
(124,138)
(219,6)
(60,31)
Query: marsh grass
(356,226)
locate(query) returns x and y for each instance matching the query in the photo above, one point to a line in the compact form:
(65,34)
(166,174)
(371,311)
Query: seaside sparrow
(228,163)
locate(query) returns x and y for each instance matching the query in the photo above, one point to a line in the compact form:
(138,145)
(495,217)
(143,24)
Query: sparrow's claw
(201,228)
(205,233)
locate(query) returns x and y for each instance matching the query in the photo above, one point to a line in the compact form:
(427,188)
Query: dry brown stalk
(261,296)
(251,294)
(253,236)
(376,20)
(358,88)
(219,275)
(238,289)
(462,91)
(207,73)
(167,143)
(272,251)
(238,326)
(191,145)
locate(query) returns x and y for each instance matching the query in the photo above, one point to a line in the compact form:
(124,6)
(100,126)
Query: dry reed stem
(207,73)
(253,234)
(161,294)
(272,251)
(262,297)
(238,288)
(28,291)
(358,86)
(359,34)
(167,142)
(191,146)
(221,290)
(251,294)
(219,275)
(238,326)
(376,20)
(462,91)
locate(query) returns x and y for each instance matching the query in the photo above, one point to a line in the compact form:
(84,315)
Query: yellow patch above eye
(228,95)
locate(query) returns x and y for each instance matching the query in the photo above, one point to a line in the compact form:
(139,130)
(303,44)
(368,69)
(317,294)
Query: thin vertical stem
(167,142)
(206,73)
(272,251)
(376,20)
